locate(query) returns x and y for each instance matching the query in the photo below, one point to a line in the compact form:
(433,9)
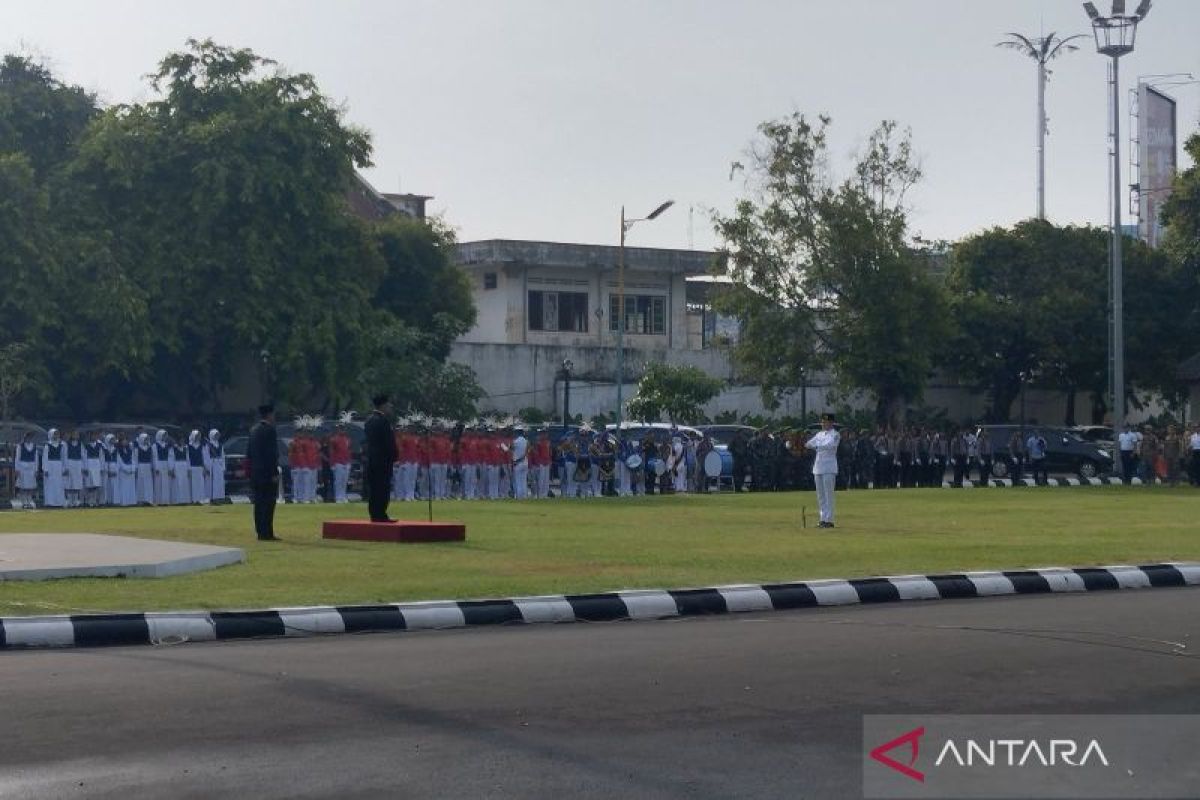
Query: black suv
(1066,450)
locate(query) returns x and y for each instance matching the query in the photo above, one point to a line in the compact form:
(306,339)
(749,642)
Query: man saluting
(381,454)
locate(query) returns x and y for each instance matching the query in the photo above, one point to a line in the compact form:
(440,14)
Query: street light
(1042,50)
(1115,36)
(626,224)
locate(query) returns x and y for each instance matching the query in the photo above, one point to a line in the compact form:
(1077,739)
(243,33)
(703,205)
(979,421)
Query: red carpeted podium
(400,531)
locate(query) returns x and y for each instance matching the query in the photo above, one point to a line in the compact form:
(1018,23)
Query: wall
(521,376)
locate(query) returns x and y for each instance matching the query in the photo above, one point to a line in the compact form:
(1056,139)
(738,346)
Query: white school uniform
(27,467)
(214,462)
(54,467)
(164,462)
(195,451)
(127,494)
(143,458)
(181,481)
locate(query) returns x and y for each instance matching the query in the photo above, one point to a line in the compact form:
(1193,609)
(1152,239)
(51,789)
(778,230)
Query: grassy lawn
(556,546)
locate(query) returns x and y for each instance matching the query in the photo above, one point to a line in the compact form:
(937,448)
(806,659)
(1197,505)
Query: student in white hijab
(196,470)
(27,471)
(112,464)
(181,480)
(143,459)
(54,471)
(214,462)
(164,464)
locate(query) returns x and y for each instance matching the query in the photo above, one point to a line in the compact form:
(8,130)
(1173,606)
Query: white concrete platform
(42,556)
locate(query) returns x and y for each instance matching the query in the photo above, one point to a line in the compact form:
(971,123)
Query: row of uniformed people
(110,470)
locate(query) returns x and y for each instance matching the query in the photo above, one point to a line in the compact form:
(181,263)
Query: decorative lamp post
(1115,36)
(626,224)
(566,368)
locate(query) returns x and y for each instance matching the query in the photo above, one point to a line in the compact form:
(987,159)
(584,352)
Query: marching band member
(339,461)
(127,494)
(54,471)
(593,450)
(497,454)
(607,458)
(93,471)
(164,465)
(570,454)
(541,477)
(195,462)
(468,468)
(74,471)
(181,481)
(27,470)
(144,470)
(678,465)
(214,462)
(410,456)
(520,464)
(439,461)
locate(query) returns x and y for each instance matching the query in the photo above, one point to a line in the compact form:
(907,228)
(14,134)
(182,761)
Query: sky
(539,119)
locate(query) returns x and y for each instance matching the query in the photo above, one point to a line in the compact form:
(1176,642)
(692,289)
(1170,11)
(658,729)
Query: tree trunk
(1099,409)
(1004,392)
(1069,417)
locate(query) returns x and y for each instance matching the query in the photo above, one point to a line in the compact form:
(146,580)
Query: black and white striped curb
(93,630)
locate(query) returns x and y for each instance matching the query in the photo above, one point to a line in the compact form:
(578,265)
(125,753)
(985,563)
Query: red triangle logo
(913,740)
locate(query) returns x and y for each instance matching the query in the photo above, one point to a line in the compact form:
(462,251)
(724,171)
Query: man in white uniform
(520,464)
(825,467)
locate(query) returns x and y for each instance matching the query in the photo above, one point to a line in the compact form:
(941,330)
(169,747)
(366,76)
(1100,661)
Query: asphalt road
(762,706)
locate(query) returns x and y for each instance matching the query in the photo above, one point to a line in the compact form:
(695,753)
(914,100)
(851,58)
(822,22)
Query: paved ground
(755,706)
(40,556)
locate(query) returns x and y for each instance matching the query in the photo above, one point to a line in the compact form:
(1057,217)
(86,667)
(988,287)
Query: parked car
(130,430)
(1101,435)
(1066,450)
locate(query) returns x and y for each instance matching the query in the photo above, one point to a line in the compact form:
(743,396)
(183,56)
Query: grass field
(556,546)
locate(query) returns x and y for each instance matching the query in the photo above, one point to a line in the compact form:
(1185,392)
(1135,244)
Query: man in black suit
(263,452)
(380,454)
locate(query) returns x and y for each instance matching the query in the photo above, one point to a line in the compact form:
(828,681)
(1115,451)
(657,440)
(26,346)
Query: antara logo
(913,740)
(1020,752)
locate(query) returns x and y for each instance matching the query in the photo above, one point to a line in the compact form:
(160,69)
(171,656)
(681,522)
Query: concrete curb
(172,627)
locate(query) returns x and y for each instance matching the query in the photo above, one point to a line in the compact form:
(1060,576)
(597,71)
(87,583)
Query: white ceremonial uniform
(214,462)
(54,469)
(825,469)
(520,458)
(26,466)
(679,466)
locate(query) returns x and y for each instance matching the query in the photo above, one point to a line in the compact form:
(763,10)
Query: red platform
(400,531)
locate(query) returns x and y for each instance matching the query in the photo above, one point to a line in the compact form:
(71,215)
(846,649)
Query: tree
(403,362)
(823,275)
(14,375)
(1181,212)
(675,390)
(40,116)
(217,211)
(1031,302)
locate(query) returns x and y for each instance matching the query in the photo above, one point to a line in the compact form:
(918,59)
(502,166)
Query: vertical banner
(1156,141)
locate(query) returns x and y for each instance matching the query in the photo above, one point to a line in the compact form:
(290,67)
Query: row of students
(111,470)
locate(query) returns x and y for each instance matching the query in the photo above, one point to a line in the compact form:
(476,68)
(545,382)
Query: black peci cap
(379,400)
(266,408)
(827,417)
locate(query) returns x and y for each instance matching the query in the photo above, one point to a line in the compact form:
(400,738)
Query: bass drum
(712,464)
(659,466)
(634,462)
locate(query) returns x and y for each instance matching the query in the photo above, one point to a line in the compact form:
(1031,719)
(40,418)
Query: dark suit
(380,454)
(263,452)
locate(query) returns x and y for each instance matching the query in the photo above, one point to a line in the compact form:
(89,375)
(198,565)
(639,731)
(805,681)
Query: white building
(547,293)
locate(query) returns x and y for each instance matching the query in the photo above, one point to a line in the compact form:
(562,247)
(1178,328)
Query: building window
(558,311)
(643,313)
(489,280)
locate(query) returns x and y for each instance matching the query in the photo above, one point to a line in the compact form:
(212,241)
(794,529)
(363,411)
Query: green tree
(39,115)
(678,391)
(823,274)
(403,360)
(1032,301)
(220,214)
(1181,212)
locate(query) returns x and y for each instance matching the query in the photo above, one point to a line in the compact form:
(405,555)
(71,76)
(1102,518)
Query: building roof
(584,256)
(1189,370)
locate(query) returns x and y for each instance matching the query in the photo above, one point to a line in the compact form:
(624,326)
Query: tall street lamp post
(567,365)
(1042,50)
(1114,38)
(626,224)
